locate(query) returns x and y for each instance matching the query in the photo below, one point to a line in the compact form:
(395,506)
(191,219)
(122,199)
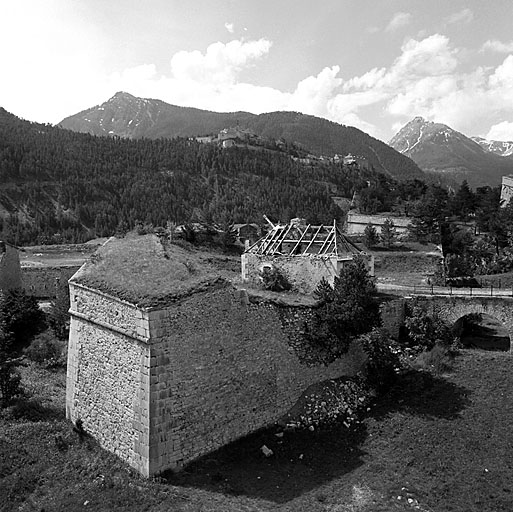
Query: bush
(424,330)
(47,350)
(274,280)
(438,360)
(382,360)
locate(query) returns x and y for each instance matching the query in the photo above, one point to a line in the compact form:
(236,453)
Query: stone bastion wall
(163,387)
(43,282)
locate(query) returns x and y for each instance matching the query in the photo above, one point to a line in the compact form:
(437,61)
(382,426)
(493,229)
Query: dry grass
(140,270)
(432,444)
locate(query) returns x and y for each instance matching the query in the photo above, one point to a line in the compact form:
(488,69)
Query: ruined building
(303,253)
(171,357)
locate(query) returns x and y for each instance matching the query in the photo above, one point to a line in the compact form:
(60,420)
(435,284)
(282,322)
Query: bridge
(452,304)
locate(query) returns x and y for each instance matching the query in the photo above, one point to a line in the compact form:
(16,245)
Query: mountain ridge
(129,116)
(443,152)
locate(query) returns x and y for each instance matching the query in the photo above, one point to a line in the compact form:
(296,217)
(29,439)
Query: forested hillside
(57,185)
(129,116)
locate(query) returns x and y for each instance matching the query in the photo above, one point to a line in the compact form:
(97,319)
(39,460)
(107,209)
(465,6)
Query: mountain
(498,147)
(449,155)
(60,186)
(125,115)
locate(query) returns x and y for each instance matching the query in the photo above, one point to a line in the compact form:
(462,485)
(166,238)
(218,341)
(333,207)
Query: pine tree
(370,236)
(388,233)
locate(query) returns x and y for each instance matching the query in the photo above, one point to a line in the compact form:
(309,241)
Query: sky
(373,64)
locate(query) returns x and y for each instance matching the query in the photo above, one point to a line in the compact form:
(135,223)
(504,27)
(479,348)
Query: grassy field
(432,444)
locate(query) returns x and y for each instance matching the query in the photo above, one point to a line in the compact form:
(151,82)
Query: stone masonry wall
(221,368)
(10,275)
(43,282)
(392,315)
(303,272)
(161,388)
(108,374)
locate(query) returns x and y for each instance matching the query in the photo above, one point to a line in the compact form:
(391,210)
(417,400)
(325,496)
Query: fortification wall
(10,274)
(356,223)
(43,282)
(161,388)
(223,368)
(108,381)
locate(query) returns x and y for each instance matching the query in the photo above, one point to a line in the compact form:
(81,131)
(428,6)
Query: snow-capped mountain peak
(501,148)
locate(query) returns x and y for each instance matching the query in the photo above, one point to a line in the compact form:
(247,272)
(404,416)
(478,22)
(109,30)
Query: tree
(370,236)
(21,316)
(388,233)
(345,311)
(464,202)
(429,215)
(9,376)
(58,316)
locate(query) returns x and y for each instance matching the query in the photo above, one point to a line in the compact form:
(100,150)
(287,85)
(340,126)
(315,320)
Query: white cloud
(230,27)
(494,45)
(221,62)
(460,17)
(399,20)
(424,79)
(313,94)
(501,131)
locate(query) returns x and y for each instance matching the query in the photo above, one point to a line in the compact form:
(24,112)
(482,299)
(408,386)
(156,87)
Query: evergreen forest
(59,186)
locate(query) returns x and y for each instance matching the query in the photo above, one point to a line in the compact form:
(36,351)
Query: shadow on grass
(421,393)
(301,461)
(31,409)
(304,460)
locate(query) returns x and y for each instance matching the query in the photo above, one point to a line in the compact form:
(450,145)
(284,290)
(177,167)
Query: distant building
(303,253)
(247,233)
(361,161)
(10,271)
(357,222)
(228,143)
(235,133)
(206,139)
(506,190)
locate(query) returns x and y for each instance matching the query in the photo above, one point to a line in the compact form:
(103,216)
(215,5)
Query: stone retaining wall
(43,282)
(163,387)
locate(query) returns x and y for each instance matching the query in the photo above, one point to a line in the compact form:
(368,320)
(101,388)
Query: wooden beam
(312,240)
(300,239)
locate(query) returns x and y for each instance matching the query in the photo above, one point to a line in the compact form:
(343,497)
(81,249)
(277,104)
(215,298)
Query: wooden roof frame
(329,240)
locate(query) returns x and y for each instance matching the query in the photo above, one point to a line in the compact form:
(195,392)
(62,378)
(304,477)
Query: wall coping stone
(119,330)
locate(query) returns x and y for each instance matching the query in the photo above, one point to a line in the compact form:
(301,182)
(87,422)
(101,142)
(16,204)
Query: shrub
(424,330)
(274,280)
(47,350)
(438,360)
(382,360)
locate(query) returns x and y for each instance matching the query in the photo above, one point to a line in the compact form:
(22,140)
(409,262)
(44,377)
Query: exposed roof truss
(297,239)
